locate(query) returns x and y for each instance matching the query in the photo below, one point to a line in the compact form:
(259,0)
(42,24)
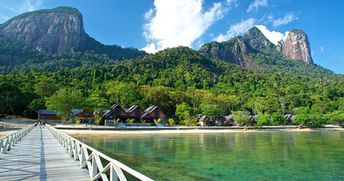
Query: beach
(185,130)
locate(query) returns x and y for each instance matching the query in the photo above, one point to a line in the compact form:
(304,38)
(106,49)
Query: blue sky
(153,25)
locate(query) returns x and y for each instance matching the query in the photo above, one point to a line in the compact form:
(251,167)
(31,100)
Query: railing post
(94,167)
(113,175)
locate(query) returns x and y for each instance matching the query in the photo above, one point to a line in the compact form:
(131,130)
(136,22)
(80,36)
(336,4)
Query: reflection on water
(317,155)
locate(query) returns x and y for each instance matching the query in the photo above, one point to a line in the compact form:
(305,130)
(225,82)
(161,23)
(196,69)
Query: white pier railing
(98,164)
(7,142)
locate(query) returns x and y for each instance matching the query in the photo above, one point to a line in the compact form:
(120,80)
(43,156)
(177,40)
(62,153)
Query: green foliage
(64,100)
(211,110)
(310,120)
(263,120)
(171,121)
(130,121)
(157,121)
(181,81)
(241,117)
(37,104)
(45,88)
(277,119)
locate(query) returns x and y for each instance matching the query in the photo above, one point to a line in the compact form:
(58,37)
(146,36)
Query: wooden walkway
(39,156)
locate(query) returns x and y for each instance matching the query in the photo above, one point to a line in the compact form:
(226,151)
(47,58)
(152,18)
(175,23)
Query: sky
(153,25)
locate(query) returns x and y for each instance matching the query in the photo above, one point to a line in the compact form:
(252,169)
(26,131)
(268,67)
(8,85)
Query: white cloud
(273,36)
(236,29)
(179,22)
(15,7)
(256,4)
(285,20)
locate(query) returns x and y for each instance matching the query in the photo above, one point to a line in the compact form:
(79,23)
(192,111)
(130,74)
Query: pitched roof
(115,106)
(47,112)
(149,110)
(132,108)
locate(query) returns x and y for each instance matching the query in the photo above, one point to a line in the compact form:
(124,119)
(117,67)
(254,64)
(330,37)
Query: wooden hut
(154,112)
(47,115)
(85,116)
(135,112)
(224,120)
(116,112)
(205,120)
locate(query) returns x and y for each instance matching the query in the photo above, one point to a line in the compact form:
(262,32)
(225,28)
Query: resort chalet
(84,115)
(116,112)
(135,112)
(154,112)
(47,115)
(205,120)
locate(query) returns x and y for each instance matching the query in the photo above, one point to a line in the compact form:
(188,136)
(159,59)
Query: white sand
(191,131)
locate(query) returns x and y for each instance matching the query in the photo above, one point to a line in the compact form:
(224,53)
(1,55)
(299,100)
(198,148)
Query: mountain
(243,50)
(296,47)
(59,31)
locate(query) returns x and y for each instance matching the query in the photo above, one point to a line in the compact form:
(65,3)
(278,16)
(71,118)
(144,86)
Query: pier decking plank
(39,156)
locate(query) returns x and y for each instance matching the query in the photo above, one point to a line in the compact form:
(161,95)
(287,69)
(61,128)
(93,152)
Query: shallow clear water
(317,155)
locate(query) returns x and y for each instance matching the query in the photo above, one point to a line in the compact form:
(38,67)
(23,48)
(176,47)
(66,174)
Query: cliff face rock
(296,47)
(58,30)
(238,49)
(232,51)
(255,38)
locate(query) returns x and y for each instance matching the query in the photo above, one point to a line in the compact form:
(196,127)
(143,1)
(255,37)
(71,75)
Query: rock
(255,38)
(55,31)
(296,47)
(232,51)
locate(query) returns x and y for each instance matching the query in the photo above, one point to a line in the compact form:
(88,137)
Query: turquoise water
(317,155)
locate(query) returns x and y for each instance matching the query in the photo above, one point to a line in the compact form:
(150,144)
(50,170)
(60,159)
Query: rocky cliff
(296,47)
(58,30)
(239,49)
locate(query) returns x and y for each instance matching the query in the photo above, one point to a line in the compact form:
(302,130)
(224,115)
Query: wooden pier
(39,156)
(46,154)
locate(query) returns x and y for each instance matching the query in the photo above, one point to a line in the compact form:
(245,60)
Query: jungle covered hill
(182,82)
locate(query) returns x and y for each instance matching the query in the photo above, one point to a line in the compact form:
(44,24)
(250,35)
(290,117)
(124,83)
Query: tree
(98,104)
(171,121)
(63,101)
(37,104)
(211,110)
(263,120)
(123,93)
(277,119)
(241,117)
(12,99)
(45,88)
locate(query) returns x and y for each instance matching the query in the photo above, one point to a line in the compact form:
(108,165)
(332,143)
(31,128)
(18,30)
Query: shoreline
(183,130)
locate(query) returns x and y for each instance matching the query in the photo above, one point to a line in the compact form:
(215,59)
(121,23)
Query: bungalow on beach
(47,115)
(116,112)
(134,112)
(154,112)
(224,120)
(205,120)
(84,115)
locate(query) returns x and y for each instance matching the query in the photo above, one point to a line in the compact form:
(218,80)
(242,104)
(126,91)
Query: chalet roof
(76,111)
(202,118)
(151,109)
(132,108)
(116,106)
(289,116)
(252,118)
(106,112)
(47,112)
(228,118)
